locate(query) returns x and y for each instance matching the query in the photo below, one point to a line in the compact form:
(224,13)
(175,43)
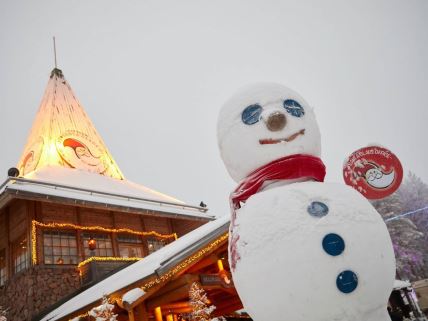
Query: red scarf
(289,167)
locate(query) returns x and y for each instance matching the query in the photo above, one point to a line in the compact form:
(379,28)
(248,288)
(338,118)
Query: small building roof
(400,284)
(74,186)
(156,264)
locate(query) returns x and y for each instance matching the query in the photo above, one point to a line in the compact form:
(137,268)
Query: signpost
(374,171)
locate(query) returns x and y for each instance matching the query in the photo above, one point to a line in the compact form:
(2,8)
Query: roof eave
(8,192)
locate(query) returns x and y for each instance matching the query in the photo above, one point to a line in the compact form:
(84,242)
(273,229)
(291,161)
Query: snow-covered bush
(104,312)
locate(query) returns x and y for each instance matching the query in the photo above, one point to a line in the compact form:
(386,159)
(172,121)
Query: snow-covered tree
(104,312)
(201,308)
(414,196)
(408,236)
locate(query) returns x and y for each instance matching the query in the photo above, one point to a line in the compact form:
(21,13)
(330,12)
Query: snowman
(299,249)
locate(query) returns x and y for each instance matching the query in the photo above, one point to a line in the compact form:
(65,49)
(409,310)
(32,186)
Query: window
(20,255)
(130,245)
(154,245)
(103,245)
(3,276)
(59,247)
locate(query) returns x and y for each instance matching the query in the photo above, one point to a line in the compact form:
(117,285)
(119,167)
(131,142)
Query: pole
(54,51)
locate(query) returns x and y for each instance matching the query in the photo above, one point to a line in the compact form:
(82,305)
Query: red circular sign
(373,171)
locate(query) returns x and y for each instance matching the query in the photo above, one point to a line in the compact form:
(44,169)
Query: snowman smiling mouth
(288,139)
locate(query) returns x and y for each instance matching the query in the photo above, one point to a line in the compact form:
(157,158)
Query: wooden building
(69,218)
(157,287)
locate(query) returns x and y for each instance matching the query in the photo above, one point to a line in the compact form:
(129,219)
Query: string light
(180,267)
(185,263)
(105,259)
(36,224)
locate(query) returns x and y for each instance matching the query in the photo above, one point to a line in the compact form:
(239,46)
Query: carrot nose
(276,121)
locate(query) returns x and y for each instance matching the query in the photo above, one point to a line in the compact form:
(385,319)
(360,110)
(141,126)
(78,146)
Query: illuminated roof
(65,157)
(63,135)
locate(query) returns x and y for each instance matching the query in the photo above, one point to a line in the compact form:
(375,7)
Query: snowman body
(300,250)
(313,251)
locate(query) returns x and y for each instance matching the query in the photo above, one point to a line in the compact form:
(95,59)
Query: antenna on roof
(54,51)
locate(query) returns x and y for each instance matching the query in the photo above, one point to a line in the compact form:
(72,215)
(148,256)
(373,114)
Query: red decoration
(373,171)
(92,244)
(289,167)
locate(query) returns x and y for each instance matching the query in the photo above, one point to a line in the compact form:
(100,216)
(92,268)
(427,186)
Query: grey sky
(153,75)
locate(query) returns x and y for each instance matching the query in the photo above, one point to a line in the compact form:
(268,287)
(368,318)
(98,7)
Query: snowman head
(264,122)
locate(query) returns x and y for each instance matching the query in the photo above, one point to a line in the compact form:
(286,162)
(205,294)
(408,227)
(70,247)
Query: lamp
(92,244)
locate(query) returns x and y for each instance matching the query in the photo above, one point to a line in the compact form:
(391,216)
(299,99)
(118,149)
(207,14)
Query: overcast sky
(153,75)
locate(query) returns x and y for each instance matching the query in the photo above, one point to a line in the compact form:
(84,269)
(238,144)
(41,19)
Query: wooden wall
(16,218)
(50,212)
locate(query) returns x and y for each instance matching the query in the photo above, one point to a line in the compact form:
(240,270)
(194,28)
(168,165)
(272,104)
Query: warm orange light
(36,224)
(220,265)
(222,272)
(63,135)
(169,317)
(158,314)
(179,268)
(92,244)
(106,258)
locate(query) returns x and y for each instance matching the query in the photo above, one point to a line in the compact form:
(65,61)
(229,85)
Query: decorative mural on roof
(78,151)
(31,156)
(63,135)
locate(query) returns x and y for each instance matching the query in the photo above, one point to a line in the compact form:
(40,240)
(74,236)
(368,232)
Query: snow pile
(133,295)
(399,284)
(239,142)
(104,312)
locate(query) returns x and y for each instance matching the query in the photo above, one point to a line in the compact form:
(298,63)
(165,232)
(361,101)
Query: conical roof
(63,135)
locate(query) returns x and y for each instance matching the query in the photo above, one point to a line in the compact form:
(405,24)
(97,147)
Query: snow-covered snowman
(300,249)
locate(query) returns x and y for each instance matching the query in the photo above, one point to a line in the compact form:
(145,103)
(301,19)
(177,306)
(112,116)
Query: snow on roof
(142,269)
(399,284)
(91,187)
(132,295)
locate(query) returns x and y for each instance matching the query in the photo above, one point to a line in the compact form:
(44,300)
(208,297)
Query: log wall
(36,289)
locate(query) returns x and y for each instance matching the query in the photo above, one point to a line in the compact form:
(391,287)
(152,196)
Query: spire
(63,135)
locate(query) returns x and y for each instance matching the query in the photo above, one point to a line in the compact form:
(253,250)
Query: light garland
(36,224)
(185,263)
(107,258)
(176,269)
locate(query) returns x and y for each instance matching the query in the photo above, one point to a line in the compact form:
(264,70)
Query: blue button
(318,209)
(347,281)
(333,244)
